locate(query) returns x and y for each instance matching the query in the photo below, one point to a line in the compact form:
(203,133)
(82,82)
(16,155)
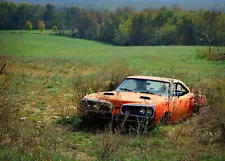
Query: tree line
(124,26)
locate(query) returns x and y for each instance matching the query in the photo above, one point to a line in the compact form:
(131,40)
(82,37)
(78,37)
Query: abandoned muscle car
(155,99)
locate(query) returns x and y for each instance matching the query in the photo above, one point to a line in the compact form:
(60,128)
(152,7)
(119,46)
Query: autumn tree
(54,28)
(41,25)
(28,26)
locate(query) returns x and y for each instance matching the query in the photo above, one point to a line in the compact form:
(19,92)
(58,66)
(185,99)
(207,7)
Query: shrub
(216,55)
(28,26)
(105,80)
(108,145)
(55,28)
(41,25)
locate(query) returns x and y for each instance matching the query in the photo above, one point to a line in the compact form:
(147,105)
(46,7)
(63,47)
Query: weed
(8,111)
(207,127)
(216,54)
(108,145)
(74,120)
(41,104)
(105,80)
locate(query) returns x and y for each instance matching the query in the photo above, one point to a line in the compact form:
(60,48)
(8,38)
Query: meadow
(42,69)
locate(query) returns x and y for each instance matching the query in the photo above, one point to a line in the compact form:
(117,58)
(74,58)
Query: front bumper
(128,112)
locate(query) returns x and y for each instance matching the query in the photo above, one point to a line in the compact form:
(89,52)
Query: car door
(180,105)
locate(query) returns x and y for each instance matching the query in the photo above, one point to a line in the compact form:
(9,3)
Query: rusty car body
(155,99)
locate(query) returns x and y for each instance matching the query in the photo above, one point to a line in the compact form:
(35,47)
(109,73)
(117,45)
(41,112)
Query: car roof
(162,79)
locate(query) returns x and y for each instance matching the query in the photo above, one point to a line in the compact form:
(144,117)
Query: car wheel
(165,119)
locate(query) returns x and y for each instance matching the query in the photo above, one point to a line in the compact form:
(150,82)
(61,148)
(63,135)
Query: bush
(55,28)
(216,55)
(105,80)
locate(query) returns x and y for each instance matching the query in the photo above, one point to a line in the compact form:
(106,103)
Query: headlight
(142,111)
(149,112)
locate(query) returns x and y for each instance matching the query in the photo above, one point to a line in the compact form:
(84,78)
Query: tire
(165,119)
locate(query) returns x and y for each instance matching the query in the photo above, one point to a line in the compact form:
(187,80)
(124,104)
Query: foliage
(28,26)
(216,54)
(208,25)
(55,28)
(49,16)
(141,29)
(41,25)
(122,34)
(166,35)
(123,26)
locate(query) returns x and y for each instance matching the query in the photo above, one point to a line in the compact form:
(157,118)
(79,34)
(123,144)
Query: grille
(138,111)
(98,106)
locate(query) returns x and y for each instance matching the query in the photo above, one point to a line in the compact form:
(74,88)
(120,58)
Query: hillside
(137,4)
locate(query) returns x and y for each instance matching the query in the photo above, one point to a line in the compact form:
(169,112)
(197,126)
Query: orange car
(155,99)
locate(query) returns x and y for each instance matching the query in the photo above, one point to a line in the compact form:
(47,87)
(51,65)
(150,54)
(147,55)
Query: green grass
(154,60)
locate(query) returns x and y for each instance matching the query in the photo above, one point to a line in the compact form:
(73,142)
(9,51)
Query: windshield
(144,86)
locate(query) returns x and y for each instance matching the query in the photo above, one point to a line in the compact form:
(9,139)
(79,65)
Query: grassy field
(147,60)
(42,69)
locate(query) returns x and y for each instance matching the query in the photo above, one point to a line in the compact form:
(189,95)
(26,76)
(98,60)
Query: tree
(162,17)
(22,15)
(207,27)
(41,25)
(37,12)
(28,26)
(54,28)
(7,14)
(185,29)
(166,35)
(141,29)
(220,40)
(122,34)
(49,15)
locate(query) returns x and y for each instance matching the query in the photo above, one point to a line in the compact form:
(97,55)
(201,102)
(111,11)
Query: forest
(124,27)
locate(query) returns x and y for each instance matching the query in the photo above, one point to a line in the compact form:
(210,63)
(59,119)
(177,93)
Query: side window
(180,90)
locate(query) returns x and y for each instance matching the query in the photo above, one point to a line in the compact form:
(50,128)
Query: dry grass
(105,80)
(8,111)
(206,128)
(216,54)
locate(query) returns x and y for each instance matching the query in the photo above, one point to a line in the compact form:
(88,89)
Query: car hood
(119,98)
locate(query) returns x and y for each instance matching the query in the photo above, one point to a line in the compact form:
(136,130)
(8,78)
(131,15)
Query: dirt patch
(31,72)
(84,157)
(5,57)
